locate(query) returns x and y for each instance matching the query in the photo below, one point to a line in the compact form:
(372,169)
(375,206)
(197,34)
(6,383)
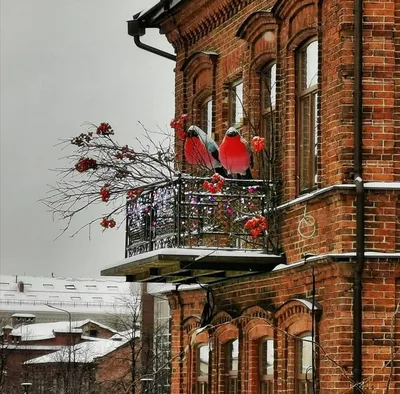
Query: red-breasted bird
(201,150)
(235,154)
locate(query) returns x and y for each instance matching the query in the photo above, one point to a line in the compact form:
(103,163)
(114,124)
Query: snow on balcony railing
(183,214)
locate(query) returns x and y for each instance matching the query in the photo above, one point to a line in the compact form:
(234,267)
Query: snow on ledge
(382,185)
(195,253)
(344,186)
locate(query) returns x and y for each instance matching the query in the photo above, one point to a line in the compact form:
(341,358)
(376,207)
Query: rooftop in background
(78,295)
(41,331)
(85,352)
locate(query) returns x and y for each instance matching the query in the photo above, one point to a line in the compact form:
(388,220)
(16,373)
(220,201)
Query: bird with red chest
(202,151)
(235,154)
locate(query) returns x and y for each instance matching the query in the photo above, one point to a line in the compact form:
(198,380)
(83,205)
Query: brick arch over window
(221,318)
(291,310)
(301,36)
(294,318)
(193,339)
(295,11)
(199,72)
(260,31)
(225,334)
(190,323)
(257,325)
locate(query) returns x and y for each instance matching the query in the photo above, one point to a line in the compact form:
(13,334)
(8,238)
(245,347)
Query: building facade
(318,311)
(28,340)
(83,298)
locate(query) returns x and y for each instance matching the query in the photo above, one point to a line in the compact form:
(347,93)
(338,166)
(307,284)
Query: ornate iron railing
(182,213)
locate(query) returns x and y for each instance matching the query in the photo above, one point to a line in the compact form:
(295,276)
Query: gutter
(137,29)
(137,26)
(360,198)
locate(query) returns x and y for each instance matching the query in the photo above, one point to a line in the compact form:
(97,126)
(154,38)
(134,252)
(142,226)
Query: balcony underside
(195,265)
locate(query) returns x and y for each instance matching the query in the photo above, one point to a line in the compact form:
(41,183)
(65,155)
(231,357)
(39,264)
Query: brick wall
(246,38)
(236,31)
(266,306)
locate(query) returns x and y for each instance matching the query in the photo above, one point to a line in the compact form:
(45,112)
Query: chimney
(68,337)
(20,286)
(6,332)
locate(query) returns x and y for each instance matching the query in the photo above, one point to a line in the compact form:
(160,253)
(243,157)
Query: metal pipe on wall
(360,196)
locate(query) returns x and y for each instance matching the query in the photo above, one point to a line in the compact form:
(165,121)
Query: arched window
(206,122)
(268,101)
(203,357)
(236,104)
(307,103)
(304,357)
(231,366)
(266,365)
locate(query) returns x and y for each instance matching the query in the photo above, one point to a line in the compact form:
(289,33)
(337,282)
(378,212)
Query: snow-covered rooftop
(85,352)
(41,331)
(74,294)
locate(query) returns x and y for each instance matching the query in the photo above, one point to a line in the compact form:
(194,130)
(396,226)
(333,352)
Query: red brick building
(29,340)
(314,306)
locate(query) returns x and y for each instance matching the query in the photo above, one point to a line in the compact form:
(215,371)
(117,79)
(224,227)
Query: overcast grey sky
(64,63)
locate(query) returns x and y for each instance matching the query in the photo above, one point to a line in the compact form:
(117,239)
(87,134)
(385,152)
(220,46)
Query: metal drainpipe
(360,197)
(151,49)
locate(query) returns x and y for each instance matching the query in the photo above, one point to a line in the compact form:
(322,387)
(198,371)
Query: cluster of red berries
(85,164)
(104,129)
(216,184)
(105,192)
(256,226)
(258,144)
(82,139)
(179,125)
(126,153)
(107,223)
(133,193)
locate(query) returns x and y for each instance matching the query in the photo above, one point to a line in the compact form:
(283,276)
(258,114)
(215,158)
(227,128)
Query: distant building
(92,367)
(84,298)
(29,340)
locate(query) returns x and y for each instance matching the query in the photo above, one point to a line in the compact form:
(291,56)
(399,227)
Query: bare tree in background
(102,171)
(148,355)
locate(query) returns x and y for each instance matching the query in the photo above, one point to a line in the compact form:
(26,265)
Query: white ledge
(343,186)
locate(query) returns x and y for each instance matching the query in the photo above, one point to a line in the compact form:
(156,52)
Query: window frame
(206,115)
(202,383)
(306,165)
(231,375)
(266,380)
(268,112)
(304,385)
(233,100)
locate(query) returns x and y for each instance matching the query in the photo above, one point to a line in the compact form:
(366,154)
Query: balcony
(180,232)
(183,214)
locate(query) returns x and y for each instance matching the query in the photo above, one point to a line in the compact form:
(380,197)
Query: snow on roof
(126,335)
(161,288)
(77,294)
(85,352)
(23,315)
(40,331)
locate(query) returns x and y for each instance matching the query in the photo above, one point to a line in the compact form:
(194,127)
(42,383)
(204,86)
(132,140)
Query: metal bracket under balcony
(188,266)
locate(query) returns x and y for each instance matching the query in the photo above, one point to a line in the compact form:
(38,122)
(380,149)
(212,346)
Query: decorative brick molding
(190,323)
(222,11)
